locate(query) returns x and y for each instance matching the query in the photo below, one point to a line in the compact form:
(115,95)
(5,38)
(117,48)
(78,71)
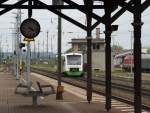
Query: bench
(27,90)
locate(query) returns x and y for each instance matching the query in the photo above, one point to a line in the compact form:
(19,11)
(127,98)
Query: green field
(46,67)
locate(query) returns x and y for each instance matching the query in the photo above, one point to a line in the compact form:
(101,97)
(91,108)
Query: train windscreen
(74,60)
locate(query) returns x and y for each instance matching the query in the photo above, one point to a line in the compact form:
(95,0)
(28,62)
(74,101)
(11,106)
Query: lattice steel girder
(14,5)
(115,16)
(64,16)
(120,12)
(84,11)
(9,7)
(2,1)
(81,7)
(145,5)
(125,5)
(128,6)
(72,5)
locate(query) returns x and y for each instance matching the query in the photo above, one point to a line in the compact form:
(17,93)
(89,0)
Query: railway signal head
(24,50)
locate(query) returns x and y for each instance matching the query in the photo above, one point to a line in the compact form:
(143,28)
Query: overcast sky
(48,22)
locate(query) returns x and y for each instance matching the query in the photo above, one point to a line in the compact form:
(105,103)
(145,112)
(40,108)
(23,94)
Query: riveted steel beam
(125,5)
(2,1)
(145,5)
(10,8)
(82,7)
(64,16)
(120,12)
(114,17)
(71,3)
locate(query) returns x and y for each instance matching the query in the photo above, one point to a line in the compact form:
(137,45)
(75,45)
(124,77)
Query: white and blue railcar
(73,65)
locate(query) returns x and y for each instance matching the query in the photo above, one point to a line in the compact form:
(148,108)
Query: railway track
(125,80)
(81,82)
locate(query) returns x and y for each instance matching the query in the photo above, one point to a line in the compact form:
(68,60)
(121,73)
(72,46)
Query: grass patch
(116,72)
(45,67)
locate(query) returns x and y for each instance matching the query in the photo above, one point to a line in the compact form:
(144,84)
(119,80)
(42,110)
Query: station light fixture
(21,45)
(24,50)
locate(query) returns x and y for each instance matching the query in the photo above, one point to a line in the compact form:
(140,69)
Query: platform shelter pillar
(108,54)
(137,25)
(59,95)
(89,49)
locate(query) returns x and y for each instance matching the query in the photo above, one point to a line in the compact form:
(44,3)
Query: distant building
(98,50)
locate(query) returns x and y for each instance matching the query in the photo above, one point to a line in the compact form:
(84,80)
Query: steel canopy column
(89,51)
(59,95)
(137,24)
(108,54)
(28,63)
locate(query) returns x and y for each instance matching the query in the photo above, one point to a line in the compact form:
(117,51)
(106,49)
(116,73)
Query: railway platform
(74,99)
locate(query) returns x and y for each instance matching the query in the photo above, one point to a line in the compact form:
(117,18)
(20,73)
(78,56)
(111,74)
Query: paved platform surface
(13,103)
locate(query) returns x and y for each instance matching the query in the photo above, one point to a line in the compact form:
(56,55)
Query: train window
(96,46)
(74,60)
(81,47)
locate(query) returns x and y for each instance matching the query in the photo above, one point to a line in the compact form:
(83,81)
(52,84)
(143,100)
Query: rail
(72,81)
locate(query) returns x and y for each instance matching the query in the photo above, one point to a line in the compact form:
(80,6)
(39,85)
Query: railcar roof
(73,54)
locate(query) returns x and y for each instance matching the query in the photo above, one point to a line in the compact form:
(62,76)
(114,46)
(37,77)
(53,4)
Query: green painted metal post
(59,95)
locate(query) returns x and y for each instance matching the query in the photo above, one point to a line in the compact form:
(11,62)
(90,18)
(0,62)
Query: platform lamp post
(14,34)
(47,46)
(28,62)
(60,88)
(17,49)
(38,53)
(0,53)
(30,28)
